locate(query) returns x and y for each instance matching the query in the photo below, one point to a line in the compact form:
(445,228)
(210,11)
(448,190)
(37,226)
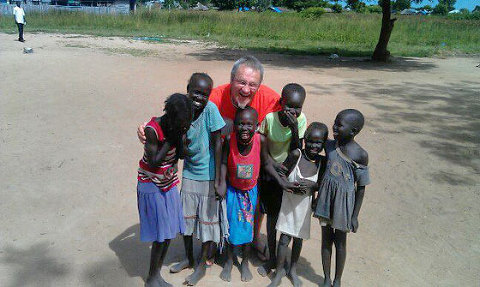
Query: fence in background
(7,9)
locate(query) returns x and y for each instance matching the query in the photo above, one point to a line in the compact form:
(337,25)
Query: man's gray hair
(249,61)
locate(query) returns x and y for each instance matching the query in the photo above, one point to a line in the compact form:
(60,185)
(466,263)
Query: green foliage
(450,4)
(300,5)
(262,5)
(477,9)
(426,8)
(346,34)
(313,12)
(465,16)
(357,6)
(400,5)
(440,9)
(337,8)
(374,9)
(225,4)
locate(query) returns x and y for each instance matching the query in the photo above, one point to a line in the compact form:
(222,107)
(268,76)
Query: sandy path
(69,154)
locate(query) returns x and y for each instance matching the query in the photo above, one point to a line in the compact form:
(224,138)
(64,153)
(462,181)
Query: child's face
(315,142)
(198,92)
(245,126)
(292,104)
(343,128)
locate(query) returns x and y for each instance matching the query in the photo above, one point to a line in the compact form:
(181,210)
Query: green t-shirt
(278,136)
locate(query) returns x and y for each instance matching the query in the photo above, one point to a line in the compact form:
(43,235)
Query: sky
(469,4)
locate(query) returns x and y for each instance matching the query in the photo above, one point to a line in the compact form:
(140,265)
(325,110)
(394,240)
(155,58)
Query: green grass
(347,34)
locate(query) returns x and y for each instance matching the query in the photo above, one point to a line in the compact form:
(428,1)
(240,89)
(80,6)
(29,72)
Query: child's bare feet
(157,281)
(279,274)
(180,266)
(337,283)
(226,274)
(294,276)
(266,268)
(245,273)
(198,274)
(327,282)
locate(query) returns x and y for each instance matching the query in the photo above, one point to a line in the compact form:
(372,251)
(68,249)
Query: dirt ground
(69,153)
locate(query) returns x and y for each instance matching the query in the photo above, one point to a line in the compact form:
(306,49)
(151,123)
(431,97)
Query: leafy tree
(225,4)
(449,3)
(464,11)
(426,8)
(477,9)
(440,9)
(400,5)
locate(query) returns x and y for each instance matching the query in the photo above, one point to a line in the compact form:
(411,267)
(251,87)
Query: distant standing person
(19,16)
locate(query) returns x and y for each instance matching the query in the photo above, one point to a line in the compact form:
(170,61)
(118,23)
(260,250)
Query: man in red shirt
(244,89)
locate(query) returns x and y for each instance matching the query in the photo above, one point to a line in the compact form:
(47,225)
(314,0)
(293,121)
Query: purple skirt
(161,213)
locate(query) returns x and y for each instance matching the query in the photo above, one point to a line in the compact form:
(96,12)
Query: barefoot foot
(294,276)
(265,269)
(245,273)
(226,274)
(337,283)
(180,266)
(198,274)
(327,282)
(279,274)
(156,281)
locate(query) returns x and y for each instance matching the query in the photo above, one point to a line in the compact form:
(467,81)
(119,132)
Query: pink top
(165,175)
(243,170)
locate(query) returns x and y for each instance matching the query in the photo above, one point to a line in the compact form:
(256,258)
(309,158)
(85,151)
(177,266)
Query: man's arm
(141,133)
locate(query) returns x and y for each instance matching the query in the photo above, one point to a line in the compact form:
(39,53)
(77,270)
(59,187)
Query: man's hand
(141,133)
(354,224)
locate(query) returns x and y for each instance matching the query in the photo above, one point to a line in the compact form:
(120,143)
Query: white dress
(296,212)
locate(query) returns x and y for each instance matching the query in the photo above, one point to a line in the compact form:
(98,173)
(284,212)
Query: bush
(440,9)
(374,9)
(464,16)
(313,12)
(337,8)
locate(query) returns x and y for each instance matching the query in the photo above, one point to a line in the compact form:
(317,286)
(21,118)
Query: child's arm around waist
(268,165)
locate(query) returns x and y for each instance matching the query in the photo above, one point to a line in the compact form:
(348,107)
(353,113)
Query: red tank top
(165,175)
(243,170)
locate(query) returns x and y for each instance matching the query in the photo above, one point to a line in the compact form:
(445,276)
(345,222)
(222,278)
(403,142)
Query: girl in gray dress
(341,191)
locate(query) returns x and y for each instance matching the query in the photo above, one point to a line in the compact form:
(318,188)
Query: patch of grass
(76,45)
(347,34)
(131,51)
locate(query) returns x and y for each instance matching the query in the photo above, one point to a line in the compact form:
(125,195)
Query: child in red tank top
(244,152)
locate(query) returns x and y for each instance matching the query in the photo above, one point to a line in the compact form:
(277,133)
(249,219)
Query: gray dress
(336,198)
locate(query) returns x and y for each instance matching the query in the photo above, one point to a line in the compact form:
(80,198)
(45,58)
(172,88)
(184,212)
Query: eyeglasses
(251,85)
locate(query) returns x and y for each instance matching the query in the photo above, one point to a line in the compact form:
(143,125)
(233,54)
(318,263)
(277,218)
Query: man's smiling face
(244,86)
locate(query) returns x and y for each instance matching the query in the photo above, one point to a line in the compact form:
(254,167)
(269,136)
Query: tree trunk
(381,53)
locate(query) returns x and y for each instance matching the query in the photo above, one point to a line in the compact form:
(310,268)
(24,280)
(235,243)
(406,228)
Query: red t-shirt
(264,101)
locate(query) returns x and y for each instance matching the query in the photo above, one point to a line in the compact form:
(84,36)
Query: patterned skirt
(241,206)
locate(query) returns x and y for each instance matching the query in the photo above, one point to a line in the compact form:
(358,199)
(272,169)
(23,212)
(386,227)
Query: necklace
(309,159)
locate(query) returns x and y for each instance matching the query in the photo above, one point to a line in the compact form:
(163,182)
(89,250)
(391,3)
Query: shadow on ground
(445,115)
(402,64)
(34,266)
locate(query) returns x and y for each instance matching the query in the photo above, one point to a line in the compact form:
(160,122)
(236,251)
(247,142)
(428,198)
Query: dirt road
(69,153)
